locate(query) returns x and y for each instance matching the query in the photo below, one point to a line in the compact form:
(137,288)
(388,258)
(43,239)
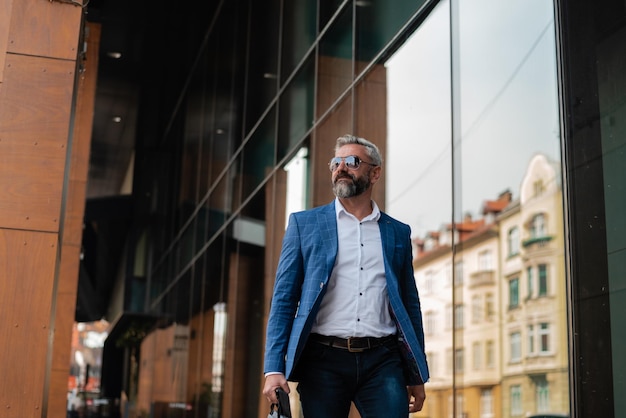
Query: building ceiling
(117,93)
(108,211)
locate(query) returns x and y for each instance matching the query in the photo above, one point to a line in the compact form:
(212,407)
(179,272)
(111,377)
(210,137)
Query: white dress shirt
(356,302)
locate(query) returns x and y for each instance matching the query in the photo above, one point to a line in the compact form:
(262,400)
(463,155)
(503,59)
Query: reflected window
(531,340)
(489,306)
(430,323)
(459,358)
(513,241)
(542,394)
(513,293)
(515,346)
(458,317)
(542,273)
(476,308)
(433,365)
(516,400)
(297,170)
(458,273)
(219,346)
(538,226)
(544,337)
(485,260)
(529,276)
(477,358)
(460,404)
(486,403)
(490,354)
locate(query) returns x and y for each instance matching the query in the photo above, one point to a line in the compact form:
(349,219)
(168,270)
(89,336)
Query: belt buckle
(356,350)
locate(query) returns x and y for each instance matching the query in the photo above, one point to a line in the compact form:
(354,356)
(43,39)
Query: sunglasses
(352,162)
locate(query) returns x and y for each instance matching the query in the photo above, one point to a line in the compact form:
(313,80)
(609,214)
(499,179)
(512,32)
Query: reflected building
(495,322)
(535,361)
(462,313)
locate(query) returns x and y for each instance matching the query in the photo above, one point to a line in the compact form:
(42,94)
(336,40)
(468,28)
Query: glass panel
(262,83)
(594,75)
(208,132)
(336,122)
(507,178)
(191,144)
(222,196)
(187,241)
(335,60)
(611,98)
(503,218)
(299,29)
(327,10)
(417,174)
(297,179)
(377,24)
(296,109)
(258,154)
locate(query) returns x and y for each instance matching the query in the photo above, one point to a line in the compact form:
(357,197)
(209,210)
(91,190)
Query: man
(345,319)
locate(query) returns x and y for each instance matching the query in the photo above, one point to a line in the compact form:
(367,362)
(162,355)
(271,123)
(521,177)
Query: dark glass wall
(593,46)
(463,99)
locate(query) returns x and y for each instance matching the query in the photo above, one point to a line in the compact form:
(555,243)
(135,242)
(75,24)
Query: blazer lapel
(387,237)
(327,223)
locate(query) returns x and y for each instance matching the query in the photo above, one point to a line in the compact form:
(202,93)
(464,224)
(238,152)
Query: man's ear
(375,174)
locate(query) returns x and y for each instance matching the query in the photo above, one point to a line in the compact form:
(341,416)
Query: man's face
(350,182)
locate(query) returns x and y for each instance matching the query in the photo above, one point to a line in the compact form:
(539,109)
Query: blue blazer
(306,261)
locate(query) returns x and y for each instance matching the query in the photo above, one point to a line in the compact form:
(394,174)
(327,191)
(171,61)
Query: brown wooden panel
(243,269)
(85,102)
(68,271)
(338,123)
(27,271)
(33,142)
(5,18)
(45,29)
(74,212)
(57,403)
(73,228)
(63,323)
(371,118)
(200,352)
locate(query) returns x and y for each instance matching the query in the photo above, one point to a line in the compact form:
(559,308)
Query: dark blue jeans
(332,378)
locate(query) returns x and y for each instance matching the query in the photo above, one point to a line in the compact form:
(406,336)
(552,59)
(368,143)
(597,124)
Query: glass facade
(509,177)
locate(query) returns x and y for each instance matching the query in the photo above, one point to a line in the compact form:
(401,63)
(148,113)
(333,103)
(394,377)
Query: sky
(508,109)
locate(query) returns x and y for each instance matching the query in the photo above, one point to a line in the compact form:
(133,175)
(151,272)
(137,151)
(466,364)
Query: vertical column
(38,49)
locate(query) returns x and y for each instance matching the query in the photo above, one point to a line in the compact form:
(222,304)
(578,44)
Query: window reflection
(498,233)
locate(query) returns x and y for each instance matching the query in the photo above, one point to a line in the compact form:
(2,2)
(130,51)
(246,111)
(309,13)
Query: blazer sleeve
(284,303)
(411,293)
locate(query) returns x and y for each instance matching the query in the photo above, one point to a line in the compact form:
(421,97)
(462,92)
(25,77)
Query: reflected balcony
(482,278)
(537,242)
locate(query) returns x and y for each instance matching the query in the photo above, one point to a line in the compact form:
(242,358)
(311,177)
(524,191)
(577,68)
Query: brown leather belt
(352,344)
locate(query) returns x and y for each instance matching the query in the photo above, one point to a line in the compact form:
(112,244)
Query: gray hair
(370,148)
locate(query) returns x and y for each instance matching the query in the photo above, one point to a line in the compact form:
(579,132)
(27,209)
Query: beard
(355,187)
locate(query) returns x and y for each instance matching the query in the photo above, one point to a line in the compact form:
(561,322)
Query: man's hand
(417,396)
(273,382)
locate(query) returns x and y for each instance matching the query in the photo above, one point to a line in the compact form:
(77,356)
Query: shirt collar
(374,216)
